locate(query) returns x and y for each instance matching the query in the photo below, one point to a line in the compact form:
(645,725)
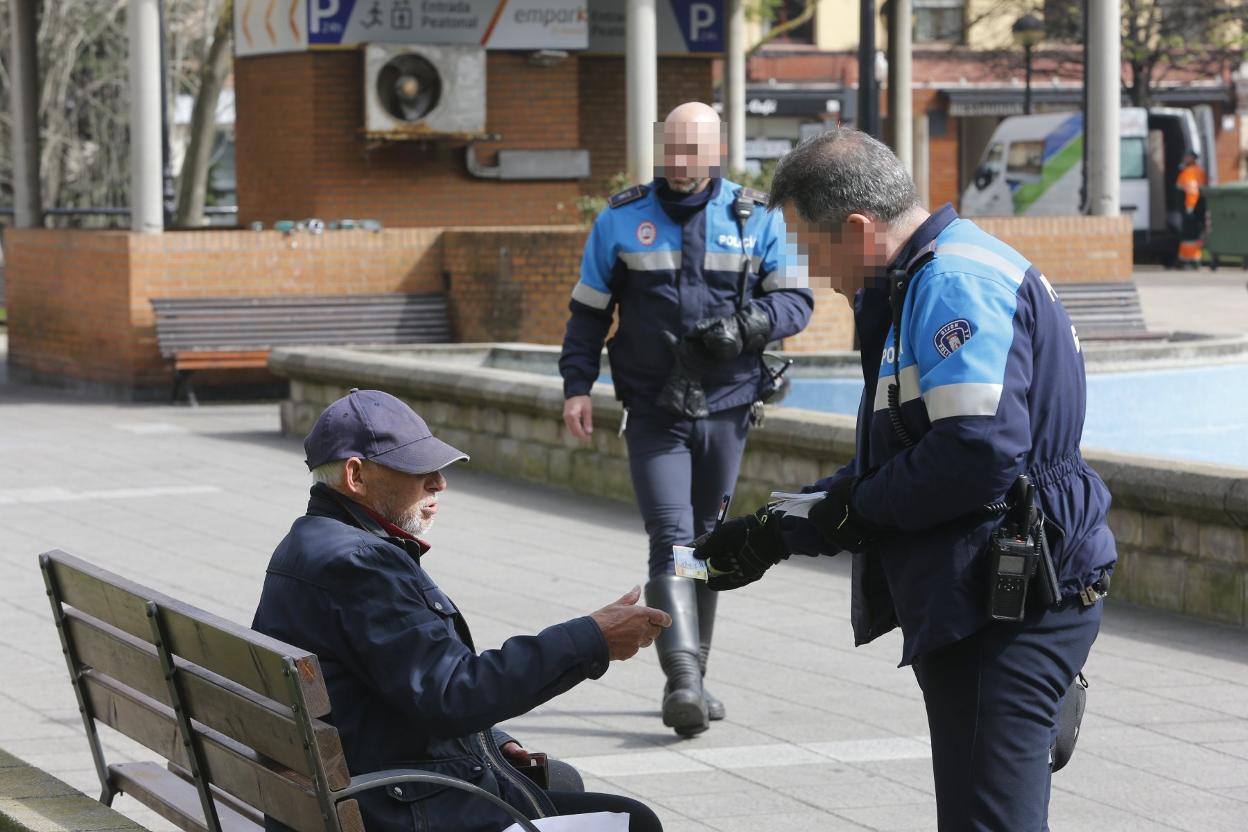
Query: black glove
(683,395)
(837,521)
(726,338)
(741,550)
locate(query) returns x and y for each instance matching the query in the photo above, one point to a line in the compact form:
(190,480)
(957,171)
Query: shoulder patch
(626,196)
(754,196)
(950,337)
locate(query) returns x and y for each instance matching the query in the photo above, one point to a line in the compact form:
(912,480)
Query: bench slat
(281,794)
(432,298)
(224,324)
(209,361)
(253,660)
(225,797)
(174,799)
(210,699)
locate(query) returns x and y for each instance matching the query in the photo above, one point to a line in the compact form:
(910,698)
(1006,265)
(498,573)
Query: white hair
(331,473)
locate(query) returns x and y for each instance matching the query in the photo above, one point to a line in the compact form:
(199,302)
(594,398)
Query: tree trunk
(193,181)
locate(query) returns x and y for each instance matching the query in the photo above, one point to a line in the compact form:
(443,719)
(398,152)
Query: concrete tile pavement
(820,735)
(1200,301)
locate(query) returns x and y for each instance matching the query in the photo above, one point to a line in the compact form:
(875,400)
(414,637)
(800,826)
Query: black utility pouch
(1069,717)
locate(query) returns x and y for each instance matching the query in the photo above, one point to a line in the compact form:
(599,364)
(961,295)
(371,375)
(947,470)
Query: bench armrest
(390,777)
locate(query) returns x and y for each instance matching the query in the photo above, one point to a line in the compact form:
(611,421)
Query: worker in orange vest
(1192,239)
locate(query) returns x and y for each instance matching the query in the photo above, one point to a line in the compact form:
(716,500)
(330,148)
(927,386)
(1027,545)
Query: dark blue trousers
(681,469)
(992,701)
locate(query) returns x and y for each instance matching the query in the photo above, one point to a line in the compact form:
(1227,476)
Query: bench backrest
(1103,310)
(232,323)
(233,710)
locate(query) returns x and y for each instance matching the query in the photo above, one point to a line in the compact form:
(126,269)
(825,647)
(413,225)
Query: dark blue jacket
(992,385)
(667,262)
(407,688)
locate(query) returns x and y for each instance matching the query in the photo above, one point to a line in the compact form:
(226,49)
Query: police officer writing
(980,408)
(692,263)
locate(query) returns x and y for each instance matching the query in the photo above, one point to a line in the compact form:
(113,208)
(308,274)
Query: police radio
(1014,555)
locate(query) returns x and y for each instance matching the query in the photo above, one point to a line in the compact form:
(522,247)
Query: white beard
(410,521)
(413,523)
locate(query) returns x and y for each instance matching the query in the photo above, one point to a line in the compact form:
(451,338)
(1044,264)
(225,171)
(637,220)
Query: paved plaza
(819,736)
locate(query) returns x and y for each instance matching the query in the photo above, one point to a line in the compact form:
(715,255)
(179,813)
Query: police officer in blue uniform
(694,265)
(987,384)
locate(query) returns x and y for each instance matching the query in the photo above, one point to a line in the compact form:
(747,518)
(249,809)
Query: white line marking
(641,762)
(730,758)
(55,494)
(149,428)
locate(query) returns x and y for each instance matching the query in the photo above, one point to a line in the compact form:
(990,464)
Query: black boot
(707,601)
(684,709)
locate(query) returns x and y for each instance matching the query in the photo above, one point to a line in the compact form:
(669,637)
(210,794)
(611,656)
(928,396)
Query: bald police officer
(693,264)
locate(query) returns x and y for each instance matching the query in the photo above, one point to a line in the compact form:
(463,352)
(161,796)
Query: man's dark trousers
(681,469)
(992,701)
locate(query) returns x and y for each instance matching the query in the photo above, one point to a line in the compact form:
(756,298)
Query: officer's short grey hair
(841,172)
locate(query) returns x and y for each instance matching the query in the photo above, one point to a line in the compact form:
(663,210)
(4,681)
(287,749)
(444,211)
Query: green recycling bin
(1228,222)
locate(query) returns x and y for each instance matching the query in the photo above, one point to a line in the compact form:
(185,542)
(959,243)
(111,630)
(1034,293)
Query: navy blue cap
(376,426)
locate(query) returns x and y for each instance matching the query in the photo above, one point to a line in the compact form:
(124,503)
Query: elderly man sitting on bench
(407,687)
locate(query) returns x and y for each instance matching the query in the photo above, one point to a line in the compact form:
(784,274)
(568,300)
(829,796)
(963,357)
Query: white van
(1033,166)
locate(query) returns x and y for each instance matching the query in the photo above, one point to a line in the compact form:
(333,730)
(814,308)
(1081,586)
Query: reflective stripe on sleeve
(788,277)
(951,400)
(590,296)
(909,386)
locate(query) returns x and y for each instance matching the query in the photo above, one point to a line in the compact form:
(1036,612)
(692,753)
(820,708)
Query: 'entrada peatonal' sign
(268,26)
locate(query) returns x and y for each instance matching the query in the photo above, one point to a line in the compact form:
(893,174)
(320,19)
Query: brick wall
(68,304)
(831,326)
(79,301)
(1069,249)
(942,152)
(602,113)
(511,284)
(1229,153)
(301,152)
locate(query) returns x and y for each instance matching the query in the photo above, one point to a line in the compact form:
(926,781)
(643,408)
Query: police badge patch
(646,233)
(952,336)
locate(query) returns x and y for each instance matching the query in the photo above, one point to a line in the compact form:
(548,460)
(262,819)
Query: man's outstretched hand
(628,627)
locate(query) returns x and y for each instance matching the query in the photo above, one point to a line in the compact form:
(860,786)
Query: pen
(723,510)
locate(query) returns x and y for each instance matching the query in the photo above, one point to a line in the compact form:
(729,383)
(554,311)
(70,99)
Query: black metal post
(868,90)
(1027,80)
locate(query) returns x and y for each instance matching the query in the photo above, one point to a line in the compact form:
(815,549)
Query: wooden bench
(1105,311)
(230,333)
(235,714)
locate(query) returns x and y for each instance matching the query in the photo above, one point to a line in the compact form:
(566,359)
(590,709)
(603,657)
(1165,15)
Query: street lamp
(1028,30)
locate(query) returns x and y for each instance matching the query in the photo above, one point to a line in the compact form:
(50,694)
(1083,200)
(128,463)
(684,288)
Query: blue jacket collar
(923,236)
(326,502)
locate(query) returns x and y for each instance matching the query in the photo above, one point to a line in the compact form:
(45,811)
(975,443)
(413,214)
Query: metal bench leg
(182,381)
